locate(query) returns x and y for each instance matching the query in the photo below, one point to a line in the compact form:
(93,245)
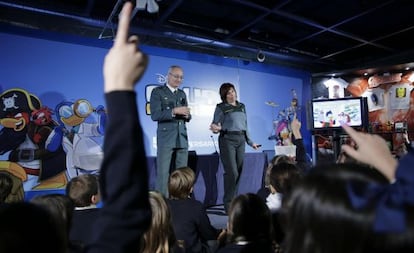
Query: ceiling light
(221,30)
(260,56)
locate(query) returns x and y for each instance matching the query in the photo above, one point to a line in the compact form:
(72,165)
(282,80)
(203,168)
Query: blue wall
(57,68)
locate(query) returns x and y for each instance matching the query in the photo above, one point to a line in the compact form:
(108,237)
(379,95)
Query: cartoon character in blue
(81,131)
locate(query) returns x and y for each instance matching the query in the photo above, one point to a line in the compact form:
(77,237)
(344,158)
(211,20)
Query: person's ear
(272,189)
(95,199)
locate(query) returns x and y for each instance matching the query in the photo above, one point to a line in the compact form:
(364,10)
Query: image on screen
(331,114)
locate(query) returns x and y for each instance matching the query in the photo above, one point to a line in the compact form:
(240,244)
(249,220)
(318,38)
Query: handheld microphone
(215,148)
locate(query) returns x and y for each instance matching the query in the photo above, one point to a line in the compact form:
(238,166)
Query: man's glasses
(176,76)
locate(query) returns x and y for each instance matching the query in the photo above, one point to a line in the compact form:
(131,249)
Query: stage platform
(209,177)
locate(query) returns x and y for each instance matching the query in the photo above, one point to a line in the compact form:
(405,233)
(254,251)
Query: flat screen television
(330,114)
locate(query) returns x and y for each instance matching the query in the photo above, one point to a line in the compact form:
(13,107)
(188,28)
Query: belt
(234,132)
(34,172)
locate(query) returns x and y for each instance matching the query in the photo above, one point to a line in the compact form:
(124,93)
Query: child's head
(181,182)
(283,176)
(83,190)
(318,211)
(249,219)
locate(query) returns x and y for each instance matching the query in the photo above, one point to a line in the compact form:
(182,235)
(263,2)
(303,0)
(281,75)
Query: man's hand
(182,110)
(124,64)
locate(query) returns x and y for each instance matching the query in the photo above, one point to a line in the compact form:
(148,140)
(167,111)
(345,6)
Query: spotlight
(261,56)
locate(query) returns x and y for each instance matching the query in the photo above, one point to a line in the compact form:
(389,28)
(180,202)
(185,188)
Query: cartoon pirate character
(27,141)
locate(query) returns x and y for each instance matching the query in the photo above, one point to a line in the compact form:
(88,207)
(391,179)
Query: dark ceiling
(321,36)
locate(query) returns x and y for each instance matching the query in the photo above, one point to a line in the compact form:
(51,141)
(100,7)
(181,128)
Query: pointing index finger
(123,24)
(351,132)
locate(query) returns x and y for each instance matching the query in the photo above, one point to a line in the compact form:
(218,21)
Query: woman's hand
(215,128)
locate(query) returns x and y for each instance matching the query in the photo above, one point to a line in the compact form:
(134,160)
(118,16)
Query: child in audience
(60,208)
(190,220)
(26,227)
(160,236)
(83,190)
(249,228)
(351,207)
(283,177)
(300,158)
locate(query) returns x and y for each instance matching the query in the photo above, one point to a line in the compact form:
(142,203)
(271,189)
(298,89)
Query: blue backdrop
(57,68)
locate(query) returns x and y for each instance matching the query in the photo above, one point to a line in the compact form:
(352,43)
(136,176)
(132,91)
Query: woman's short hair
(224,89)
(181,182)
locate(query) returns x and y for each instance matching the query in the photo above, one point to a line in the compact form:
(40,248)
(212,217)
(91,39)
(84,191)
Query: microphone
(215,148)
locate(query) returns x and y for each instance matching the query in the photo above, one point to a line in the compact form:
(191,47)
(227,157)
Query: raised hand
(124,64)
(372,150)
(296,125)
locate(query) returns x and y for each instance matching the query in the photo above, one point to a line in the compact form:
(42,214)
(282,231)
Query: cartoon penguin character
(81,130)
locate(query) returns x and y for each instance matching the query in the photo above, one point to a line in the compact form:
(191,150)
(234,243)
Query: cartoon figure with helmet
(81,132)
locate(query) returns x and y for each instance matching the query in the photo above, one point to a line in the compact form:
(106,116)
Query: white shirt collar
(171,88)
(85,207)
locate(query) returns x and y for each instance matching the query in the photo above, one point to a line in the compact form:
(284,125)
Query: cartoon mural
(27,141)
(45,153)
(81,131)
